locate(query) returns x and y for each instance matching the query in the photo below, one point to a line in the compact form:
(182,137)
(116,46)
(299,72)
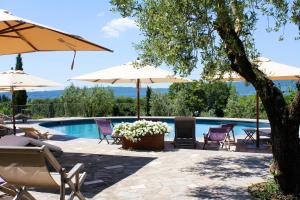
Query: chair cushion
(215,136)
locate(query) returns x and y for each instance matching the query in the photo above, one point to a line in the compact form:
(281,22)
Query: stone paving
(114,173)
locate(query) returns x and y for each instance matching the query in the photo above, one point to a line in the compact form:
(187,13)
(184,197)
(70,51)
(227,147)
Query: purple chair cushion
(104,126)
(217,134)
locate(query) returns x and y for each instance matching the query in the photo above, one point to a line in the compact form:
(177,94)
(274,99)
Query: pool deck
(114,173)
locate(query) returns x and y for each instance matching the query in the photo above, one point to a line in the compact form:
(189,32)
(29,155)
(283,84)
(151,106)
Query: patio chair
(19,141)
(185,132)
(218,135)
(230,129)
(34,133)
(105,129)
(28,167)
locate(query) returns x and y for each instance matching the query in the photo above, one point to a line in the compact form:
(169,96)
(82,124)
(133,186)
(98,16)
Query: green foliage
(243,107)
(72,98)
(160,104)
(148,97)
(87,102)
(179,104)
(198,97)
(185,33)
(45,108)
(124,106)
(19,97)
(268,190)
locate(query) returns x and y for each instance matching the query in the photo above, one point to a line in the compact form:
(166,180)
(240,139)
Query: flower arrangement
(134,131)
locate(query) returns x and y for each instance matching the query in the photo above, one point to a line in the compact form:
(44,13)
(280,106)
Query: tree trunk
(284,125)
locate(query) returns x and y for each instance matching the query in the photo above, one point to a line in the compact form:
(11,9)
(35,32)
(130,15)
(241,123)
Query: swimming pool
(86,128)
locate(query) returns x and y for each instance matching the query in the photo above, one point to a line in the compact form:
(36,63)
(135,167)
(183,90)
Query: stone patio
(114,173)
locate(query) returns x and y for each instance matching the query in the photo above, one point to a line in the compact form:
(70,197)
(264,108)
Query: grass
(269,190)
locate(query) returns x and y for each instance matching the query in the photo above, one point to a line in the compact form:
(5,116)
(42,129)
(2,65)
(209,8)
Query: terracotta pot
(147,142)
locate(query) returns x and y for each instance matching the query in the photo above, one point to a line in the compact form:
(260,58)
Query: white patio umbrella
(132,73)
(274,71)
(13,80)
(18,35)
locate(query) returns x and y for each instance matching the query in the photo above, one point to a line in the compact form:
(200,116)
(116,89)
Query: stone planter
(148,142)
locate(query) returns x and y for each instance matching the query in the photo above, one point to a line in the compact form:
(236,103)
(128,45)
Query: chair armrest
(74,171)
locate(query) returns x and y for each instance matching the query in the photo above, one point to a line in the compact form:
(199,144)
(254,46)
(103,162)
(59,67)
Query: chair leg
(20,194)
(106,139)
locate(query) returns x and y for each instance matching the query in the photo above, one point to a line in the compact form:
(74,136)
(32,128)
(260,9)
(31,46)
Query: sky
(94,21)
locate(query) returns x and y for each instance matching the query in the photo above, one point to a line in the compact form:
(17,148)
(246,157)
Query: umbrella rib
(151,80)
(22,37)
(10,36)
(9,30)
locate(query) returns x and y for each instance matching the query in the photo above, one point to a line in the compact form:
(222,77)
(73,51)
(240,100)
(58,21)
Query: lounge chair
(185,132)
(4,117)
(105,129)
(218,135)
(34,133)
(230,130)
(10,190)
(28,167)
(19,141)
(23,117)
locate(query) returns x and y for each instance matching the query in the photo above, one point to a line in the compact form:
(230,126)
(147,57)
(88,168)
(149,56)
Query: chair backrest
(26,166)
(217,134)
(228,126)
(30,130)
(104,126)
(185,127)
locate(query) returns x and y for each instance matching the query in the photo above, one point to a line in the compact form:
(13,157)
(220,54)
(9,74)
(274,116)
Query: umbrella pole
(257,120)
(13,110)
(138,98)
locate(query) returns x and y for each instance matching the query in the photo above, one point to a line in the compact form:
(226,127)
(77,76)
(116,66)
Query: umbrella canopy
(274,71)
(132,73)
(18,35)
(19,80)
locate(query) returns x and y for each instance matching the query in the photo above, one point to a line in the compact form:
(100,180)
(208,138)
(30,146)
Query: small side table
(249,135)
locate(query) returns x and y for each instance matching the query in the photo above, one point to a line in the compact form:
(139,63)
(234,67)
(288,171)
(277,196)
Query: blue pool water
(88,128)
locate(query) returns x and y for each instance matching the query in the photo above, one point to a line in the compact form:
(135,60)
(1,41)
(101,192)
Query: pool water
(88,128)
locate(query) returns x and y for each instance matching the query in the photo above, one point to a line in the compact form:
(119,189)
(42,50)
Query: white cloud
(116,26)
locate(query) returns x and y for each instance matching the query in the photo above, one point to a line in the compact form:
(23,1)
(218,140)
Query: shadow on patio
(102,170)
(223,169)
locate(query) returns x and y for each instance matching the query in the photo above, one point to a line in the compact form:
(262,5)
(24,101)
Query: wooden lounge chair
(19,141)
(10,190)
(22,117)
(218,135)
(185,132)
(34,133)
(27,167)
(105,129)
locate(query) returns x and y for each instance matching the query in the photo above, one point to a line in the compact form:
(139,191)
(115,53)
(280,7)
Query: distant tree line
(188,99)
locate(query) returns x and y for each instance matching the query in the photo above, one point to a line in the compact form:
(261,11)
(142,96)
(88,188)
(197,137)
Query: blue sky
(94,21)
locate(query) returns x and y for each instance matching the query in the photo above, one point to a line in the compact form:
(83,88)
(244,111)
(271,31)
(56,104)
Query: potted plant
(146,135)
